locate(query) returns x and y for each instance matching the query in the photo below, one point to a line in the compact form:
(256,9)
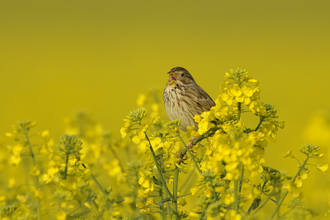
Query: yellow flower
(150,201)
(267,129)
(51,172)
(22,198)
(15,158)
(142,194)
(12,183)
(35,170)
(197,118)
(114,168)
(194,190)
(141,100)
(123,132)
(298,181)
(234,216)
(228,198)
(9,134)
(229,176)
(204,126)
(155,107)
(208,192)
(322,168)
(236,91)
(194,214)
(88,205)
(287,154)
(147,211)
(252,81)
(136,139)
(191,132)
(146,181)
(61,215)
(144,146)
(45,134)
(140,205)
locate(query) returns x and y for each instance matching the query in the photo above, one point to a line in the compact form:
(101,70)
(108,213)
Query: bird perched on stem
(183,98)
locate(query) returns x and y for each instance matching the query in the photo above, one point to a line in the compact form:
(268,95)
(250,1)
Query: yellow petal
(136,139)
(194,190)
(236,91)
(322,168)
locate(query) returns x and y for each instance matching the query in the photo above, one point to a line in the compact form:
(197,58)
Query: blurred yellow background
(60,56)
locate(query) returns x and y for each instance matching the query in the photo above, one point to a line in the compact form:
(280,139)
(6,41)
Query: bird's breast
(177,105)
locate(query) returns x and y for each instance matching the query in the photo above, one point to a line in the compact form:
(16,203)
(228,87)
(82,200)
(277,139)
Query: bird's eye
(182,74)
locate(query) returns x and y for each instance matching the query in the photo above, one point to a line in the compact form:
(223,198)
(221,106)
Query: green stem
(190,154)
(297,160)
(168,205)
(206,135)
(286,193)
(35,178)
(289,210)
(175,194)
(269,197)
(240,185)
(260,122)
(239,111)
(186,181)
(116,156)
(263,204)
(96,182)
(158,168)
(188,194)
(278,197)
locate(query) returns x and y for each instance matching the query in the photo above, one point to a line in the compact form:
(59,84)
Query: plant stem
(96,182)
(175,194)
(206,135)
(269,197)
(186,181)
(158,168)
(260,122)
(239,111)
(168,205)
(263,204)
(116,156)
(240,185)
(286,193)
(188,194)
(35,178)
(190,154)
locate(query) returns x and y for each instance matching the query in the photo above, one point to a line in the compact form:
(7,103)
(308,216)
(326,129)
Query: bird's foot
(190,144)
(180,156)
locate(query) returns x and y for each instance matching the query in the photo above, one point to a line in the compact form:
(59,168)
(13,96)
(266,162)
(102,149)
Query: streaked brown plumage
(183,98)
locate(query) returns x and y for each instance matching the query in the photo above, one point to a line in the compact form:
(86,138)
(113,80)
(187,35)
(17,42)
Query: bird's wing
(203,101)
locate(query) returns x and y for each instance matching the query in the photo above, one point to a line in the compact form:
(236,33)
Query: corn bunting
(183,98)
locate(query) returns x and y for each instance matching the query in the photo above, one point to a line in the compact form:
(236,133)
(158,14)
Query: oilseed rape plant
(150,172)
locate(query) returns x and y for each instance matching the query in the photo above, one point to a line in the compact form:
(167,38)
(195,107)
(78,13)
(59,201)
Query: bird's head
(179,75)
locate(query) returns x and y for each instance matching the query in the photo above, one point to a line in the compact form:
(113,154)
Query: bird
(184,98)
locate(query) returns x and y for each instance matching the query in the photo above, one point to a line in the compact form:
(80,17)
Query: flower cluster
(150,170)
(61,180)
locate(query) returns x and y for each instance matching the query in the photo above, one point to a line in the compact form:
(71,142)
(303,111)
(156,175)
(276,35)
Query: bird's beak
(173,78)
